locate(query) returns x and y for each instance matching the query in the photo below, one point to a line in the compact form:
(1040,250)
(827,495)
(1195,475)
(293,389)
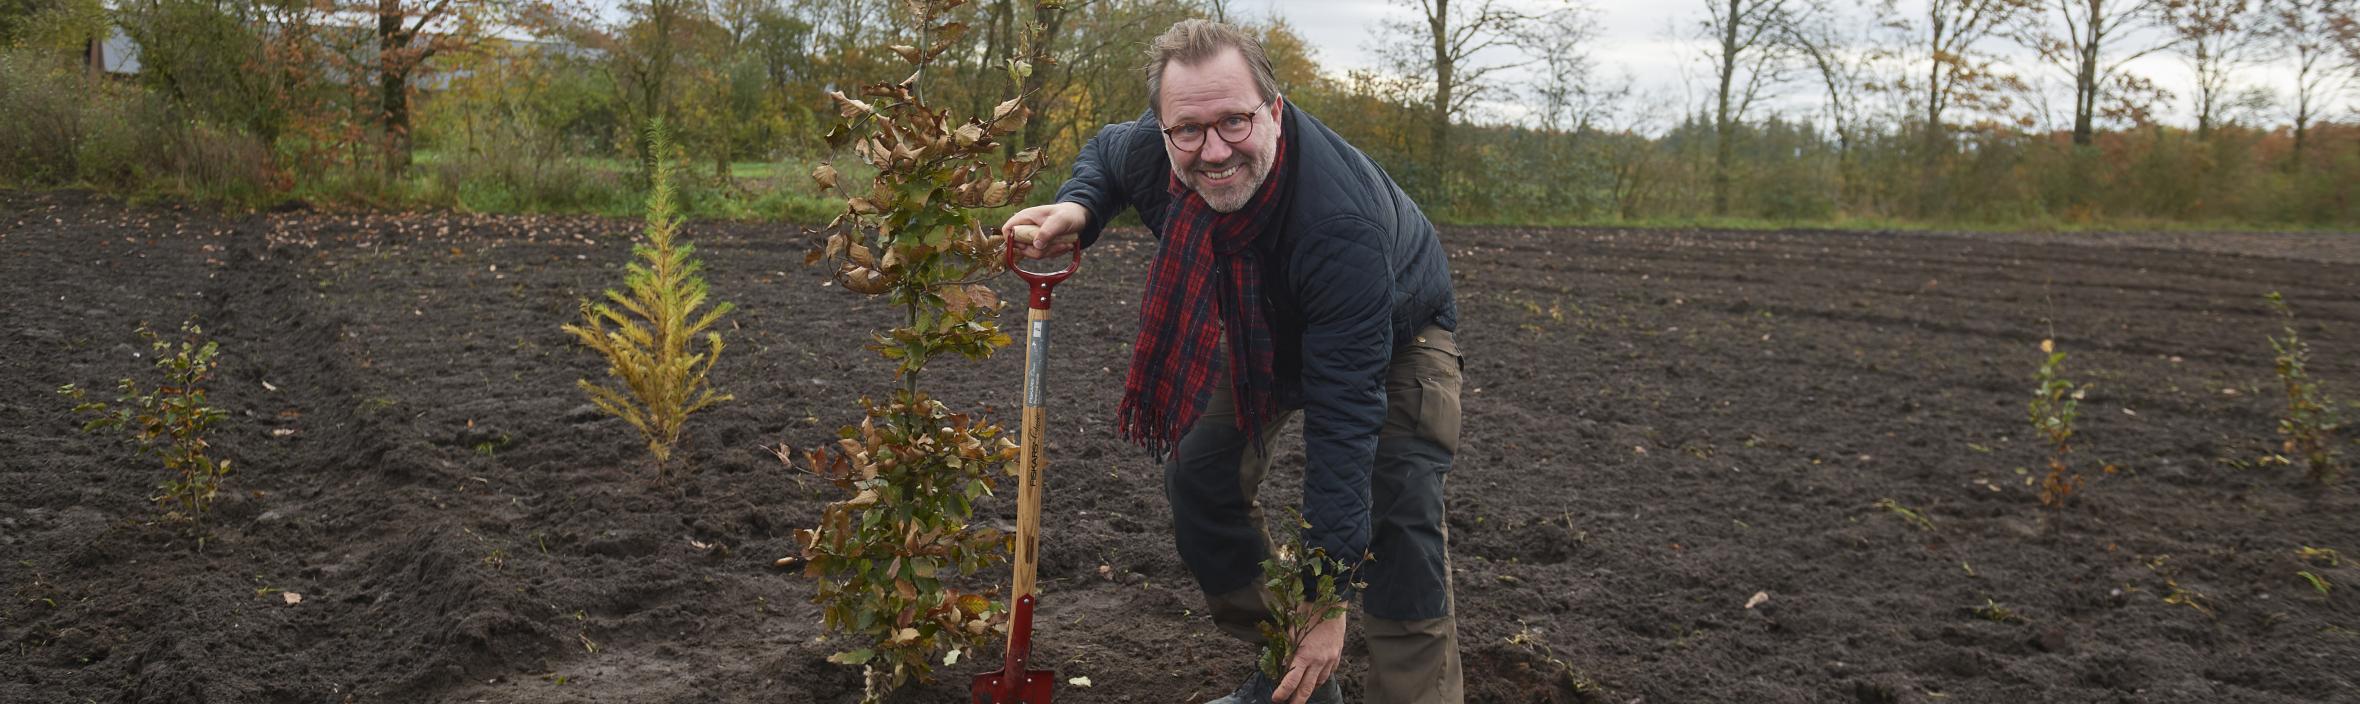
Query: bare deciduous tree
(1568,97)
(1443,45)
(1565,93)
(1750,50)
(1958,71)
(2217,37)
(1842,56)
(2083,42)
(2307,31)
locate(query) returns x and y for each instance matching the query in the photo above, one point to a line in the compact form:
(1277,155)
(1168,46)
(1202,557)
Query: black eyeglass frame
(1215,128)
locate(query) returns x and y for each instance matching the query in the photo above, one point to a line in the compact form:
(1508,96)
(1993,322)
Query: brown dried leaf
(862,279)
(850,107)
(1011,122)
(982,296)
(954,297)
(968,134)
(908,53)
(825,175)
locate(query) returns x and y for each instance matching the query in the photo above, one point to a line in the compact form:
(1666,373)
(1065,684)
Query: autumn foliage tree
(649,335)
(886,556)
(407,34)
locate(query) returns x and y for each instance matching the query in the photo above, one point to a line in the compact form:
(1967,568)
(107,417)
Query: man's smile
(1212,176)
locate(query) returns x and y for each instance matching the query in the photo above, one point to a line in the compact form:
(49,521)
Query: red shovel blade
(1016,685)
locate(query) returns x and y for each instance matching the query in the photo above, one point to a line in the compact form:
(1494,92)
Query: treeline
(538,107)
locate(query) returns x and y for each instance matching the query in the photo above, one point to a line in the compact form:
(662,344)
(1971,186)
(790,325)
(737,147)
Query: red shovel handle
(1041,283)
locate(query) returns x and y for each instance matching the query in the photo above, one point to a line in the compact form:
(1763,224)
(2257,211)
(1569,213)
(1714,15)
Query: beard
(1229,197)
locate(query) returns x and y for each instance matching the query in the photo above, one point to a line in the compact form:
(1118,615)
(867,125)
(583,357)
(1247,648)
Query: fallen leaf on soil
(266,386)
(1757,600)
(282,432)
(1079,681)
(291,597)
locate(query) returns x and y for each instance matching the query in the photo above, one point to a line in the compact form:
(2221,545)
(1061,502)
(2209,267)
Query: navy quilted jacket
(1354,268)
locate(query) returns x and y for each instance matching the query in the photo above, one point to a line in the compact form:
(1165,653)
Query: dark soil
(1660,425)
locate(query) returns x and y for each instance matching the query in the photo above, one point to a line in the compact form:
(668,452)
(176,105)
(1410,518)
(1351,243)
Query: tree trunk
(1930,163)
(1723,140)
(1438,25)
(2085,94)
(1036,130)
(393,97)
(2294,161)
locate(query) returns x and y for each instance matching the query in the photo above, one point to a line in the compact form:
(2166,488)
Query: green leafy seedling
(170,421)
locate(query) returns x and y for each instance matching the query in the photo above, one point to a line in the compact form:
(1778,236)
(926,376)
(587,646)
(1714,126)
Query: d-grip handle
(1040,283)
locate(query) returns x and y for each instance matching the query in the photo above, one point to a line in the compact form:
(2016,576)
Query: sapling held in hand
(1299,590)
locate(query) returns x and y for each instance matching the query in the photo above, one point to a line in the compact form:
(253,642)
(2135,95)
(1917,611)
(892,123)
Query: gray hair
(1193,42)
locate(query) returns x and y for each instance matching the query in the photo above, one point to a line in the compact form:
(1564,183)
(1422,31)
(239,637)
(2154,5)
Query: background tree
(1957,70)
(1445,46)
(1841,55)
(205,56)
(408,33)
(1568,96)
(2217,38)
(2306,33)
(2082,40)
(1750,51)
(55,25)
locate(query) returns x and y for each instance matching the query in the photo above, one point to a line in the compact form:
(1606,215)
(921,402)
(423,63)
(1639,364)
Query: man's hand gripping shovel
(1015,684)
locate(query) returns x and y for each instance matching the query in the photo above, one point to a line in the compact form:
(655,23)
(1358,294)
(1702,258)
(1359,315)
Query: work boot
(1257,689)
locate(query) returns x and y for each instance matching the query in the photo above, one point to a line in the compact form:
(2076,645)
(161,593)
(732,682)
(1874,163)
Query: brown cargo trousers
(1213,480)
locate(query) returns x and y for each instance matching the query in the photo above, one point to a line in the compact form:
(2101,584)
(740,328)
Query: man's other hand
(1044,231)
(1316,659)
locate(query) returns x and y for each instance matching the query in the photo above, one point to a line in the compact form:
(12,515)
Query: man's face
(1225,174)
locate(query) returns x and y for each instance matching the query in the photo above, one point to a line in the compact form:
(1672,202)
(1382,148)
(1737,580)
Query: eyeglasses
(1234,127)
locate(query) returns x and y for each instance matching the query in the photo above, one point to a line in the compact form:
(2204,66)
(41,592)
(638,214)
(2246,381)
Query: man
(1293,275)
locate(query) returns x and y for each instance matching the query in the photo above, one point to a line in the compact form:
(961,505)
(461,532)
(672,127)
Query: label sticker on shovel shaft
(1036,360)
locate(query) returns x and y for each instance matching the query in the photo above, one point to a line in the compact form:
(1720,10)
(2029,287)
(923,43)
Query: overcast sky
(1648,40)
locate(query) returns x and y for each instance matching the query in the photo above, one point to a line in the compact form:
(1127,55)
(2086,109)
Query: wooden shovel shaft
(1029,459)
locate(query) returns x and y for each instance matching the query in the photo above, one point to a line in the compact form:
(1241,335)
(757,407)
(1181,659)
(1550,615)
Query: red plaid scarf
(1206,261)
